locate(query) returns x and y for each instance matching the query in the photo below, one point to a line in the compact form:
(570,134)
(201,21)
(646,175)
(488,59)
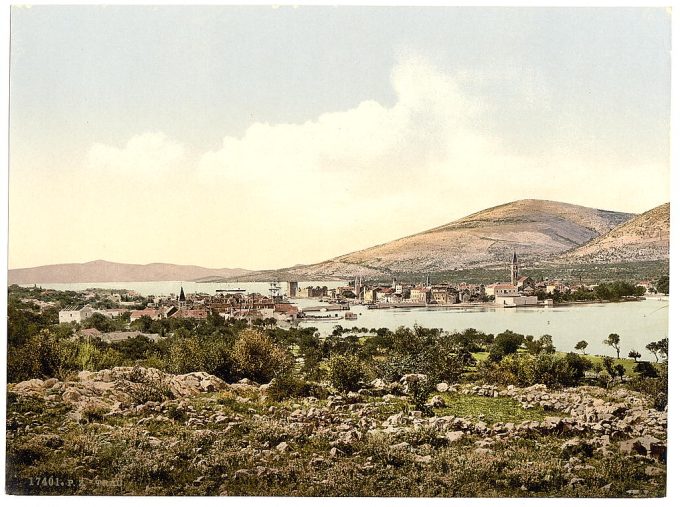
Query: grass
(119,456)
(494,410)
(628,364)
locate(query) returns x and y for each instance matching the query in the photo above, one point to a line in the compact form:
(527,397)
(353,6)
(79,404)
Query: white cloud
(297,193)
(373,149)
(146,153)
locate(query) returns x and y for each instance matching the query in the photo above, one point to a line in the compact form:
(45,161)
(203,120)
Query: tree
(645,370)
(258,357)
(635,355)
(653,347)
(614,341)
(663,348)
(608,364)
(663,284)
(505,343)
(620,370)
(581,345)
(346,372)
(547,344)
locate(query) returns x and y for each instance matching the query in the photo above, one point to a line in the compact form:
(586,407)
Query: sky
(261,137)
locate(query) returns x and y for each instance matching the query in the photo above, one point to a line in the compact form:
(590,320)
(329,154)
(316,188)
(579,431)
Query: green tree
(663,348)
(257,357)
(505,343)
(635,355)
(663,284)
(581,345)
(653,347)
(614,341)
(346,372)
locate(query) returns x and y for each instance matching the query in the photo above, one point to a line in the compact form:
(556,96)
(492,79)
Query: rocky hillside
(645,237)
(139,431)
(104,271)
(535,229)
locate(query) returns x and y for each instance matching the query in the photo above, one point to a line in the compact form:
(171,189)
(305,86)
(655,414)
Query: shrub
(544,368)
(289,385)
(257,357)
(645,370)
(93,413)
(419,389)
(656,387)
(143,387)
(44,355)
(210,355)
(346,372)
(505,343)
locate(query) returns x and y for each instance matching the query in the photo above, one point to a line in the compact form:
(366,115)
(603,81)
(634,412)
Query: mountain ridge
(537,230)
(106,271)
(644,237)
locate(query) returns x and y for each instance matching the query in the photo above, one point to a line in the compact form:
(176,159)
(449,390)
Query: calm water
(637,323)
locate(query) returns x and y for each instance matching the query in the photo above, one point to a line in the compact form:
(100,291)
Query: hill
(535,229)
(645,237)
(104,271)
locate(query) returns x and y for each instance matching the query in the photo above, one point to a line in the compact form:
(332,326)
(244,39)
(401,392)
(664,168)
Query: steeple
(514,269)
(182,297)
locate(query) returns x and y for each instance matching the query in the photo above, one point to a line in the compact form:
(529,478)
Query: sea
(636,322)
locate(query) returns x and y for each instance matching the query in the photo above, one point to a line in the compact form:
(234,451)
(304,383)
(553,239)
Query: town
(285,308)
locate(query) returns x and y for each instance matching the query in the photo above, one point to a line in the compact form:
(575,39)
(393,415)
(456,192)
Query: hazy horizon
(406,234)
(260,138)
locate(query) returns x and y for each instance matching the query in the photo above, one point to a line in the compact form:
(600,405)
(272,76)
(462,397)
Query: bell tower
(514,269)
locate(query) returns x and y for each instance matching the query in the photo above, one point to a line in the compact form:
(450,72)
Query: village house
(75,314)
(153,313)
(420,294)
(443,295)
(387,295)
(554,286)
(119,336)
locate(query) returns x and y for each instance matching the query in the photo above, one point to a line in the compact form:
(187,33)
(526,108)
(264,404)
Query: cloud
(147,153)
(285,193)
(373,149)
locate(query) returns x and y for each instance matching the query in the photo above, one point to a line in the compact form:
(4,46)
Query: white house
(75,314)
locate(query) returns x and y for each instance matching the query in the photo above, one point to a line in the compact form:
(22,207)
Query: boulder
(454,436)
(442,387)
(437,402)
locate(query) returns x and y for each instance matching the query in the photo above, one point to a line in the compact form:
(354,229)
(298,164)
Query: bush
(419,389)
(654,387)
(504,344)
(289,385)
(144,386)
(544,368)
(257,357)
(44,355)
(346,372)
(212,356)
(645,370)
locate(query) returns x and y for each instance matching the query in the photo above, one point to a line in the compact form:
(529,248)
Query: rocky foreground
(144,432)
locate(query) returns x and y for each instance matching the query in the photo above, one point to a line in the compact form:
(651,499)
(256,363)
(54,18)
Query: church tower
(514,269)
(182,297)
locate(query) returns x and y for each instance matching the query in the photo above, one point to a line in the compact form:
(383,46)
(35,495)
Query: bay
(636,322)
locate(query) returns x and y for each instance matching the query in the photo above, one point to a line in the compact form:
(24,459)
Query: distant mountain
(535,229)
(104,271)
(645,237)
